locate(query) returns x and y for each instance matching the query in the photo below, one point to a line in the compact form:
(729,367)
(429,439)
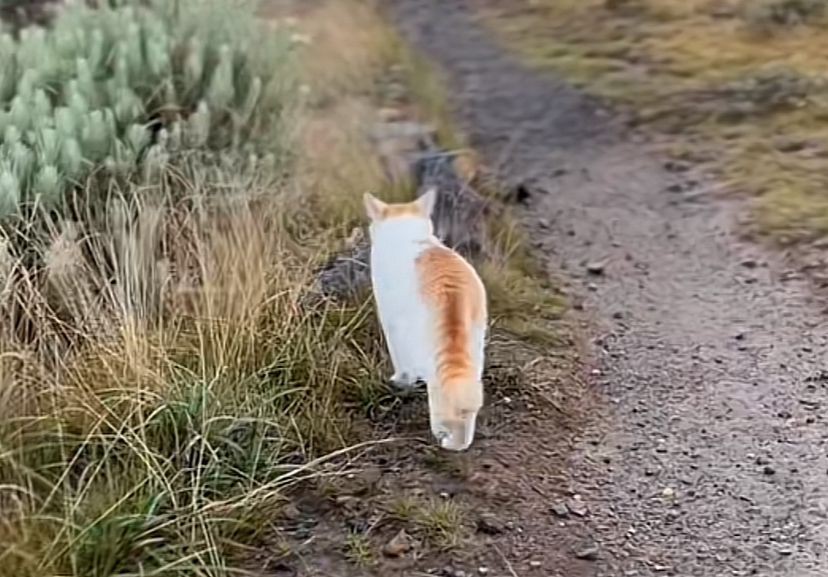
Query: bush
(121,92)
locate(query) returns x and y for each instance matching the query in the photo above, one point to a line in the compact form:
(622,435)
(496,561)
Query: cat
(432,307)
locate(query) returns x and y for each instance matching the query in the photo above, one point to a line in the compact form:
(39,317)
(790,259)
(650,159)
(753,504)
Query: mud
(709,356)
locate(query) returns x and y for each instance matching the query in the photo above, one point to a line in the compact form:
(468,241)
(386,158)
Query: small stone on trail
(534,564)
(398,546)
(577,507)
(596,267)
(483,570)
(587,553)
(560,509)
(676,166)
(669,492)
(391,114)
(675,187)
(489,525)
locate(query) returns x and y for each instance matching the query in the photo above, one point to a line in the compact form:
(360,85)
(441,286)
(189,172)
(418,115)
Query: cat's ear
(374,207)
(427,200)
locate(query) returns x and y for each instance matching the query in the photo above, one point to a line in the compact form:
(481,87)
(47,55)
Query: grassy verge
(740,83)
(164,387)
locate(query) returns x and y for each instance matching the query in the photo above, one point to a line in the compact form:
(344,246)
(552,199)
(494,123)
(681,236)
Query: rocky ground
(709,356)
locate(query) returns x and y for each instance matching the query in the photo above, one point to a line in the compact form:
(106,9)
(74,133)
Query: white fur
(408,321)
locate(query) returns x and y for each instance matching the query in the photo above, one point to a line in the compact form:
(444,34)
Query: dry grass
(441,523)
(163,385)
(143,442)
(735,80)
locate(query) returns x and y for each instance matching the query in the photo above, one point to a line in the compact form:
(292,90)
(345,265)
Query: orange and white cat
(432,307)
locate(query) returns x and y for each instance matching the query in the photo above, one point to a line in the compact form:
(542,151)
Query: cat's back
(394,275)
(447,279)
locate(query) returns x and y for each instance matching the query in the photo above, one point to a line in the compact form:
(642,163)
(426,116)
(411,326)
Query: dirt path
(713,361)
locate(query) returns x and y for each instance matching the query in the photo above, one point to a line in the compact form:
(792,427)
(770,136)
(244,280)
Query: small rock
(587,553)
(676,166)
(668,492)
(560,509)
(534,564)
(768,470)
(398,546)
(596,267)
(391,114)
(577,507)
(790,144)
(291,513)
(675,187)
(483,570)
(521,194)
(489,525)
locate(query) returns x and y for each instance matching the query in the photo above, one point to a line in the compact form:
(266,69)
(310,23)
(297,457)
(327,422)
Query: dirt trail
(712,359)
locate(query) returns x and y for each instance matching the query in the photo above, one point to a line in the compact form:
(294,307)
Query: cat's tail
(459,307)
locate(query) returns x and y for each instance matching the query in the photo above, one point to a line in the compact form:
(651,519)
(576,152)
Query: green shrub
(124,91)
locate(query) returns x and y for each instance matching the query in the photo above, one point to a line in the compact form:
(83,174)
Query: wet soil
(706,455)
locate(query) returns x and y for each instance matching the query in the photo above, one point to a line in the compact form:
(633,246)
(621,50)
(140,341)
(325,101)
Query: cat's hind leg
(409,371)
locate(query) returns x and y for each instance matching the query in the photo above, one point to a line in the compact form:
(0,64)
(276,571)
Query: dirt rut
(711,356)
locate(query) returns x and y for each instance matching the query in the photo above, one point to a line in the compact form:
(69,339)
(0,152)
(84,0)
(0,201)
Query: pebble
(489,525)
(560,509)
(534,564)
(483,570)
(577,507)
(596,267)
(398,546)
(587,553)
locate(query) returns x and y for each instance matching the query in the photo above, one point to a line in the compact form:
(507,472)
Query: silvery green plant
(125,89)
